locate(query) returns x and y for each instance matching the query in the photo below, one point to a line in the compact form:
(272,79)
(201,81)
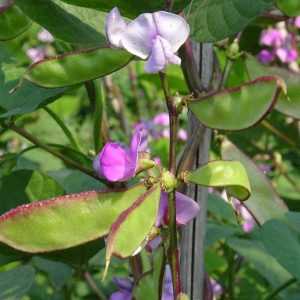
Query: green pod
(133,226)
(229,174)
(240,107)
(66,221)
(76,67)
(12,23)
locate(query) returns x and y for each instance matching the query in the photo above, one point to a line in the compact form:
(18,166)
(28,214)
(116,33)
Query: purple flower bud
(36,54)
(118,163)
(45,36)
(186,209)
(152,36)
(125,286)
(216,287)
(168,285)
(266,56)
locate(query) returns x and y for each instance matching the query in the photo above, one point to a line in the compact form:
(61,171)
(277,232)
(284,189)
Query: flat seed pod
(264,203)
(134,225)
(76,67)
(229,174)
(65,221)
(238,108)
(12,22)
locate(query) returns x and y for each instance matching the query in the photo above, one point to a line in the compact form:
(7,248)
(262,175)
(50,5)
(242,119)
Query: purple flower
(287,54)
(168,285)
(271,37)
(182,134)
(118,163)
(125,286)
(216,288)
(45,36)
(297,22)
(152,36)
(161,119)
(266,56)
(248,220)
(36,54)
(186,209)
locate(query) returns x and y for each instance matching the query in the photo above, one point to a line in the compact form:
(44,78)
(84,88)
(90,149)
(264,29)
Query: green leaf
(255,253)
(264,203)
(76,67)
(215,20)
(135,222)
(283,244)
(15,283)
(12,23)
(65,221)
(236,108)
(229,174)
(220,209)
(81,26)
(288,104)
(25,99)
(289,7)
(130,8)
(24,186)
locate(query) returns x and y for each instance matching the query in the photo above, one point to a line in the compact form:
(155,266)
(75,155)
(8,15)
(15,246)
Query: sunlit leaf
(238,108)
(289,7)
(76,67)
(65,221)
(229,174)
(264,203)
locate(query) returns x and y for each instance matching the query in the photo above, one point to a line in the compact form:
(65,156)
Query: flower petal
(114,163)
(186,209)
(123,283)
(167,293)
(139,35)
(172,28)
(121,295)
(115,26)
(157,60)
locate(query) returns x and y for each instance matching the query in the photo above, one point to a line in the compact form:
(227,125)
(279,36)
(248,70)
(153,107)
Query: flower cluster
(280,44)
(155,37)
(36,54)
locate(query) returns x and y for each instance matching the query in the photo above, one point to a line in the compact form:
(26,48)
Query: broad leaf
(283,244)
(289,7)
(238,108)
(255,253)
(65,221)
(134,225)
(76,67)
(264,203)
(288,104)
(130,8)
(25,99)
(229,174)
(80,26)
(12,23)
(15,283)
(215,20)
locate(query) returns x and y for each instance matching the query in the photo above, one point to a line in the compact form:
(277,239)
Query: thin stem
(63,127)
(281,288)
(225,73)
(55,153)
(92,284)
(136,266)
(173,247)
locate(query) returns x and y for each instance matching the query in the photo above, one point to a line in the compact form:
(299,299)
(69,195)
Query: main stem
(173,256)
